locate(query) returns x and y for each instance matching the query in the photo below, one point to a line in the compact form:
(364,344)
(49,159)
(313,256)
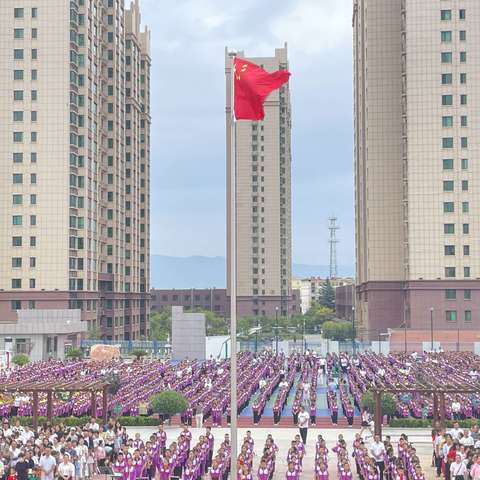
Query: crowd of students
(456,452)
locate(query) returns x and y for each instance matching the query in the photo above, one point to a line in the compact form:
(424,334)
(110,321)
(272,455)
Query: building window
(447,100)
(462,14)
(31,283)
(449,228)
(18,137)
(466,272)
(447,122)
(465,207)
(18,74)
(450,294)
(16,241)
(466,250)
(445,14)
(16,304)
(451,315)
(17,178)
(450,272)
(464,121)
(18,54)
(463,78)
(447,78)
(17,262)
(17,220)
(16,283)
(463,35)
(448,207)
(466,228)
(463,99)
(447,163)
(446,36)
(447,142)
(448,186)
(467,315)
(464,185)
(18,12)
(446,57)
(33,262)
(467,294)
(463,57)
(449,249)
(464,163)
(18,33)
(17,199)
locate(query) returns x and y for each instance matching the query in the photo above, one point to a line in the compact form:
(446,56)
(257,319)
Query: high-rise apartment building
(416,145)
(74,162)
(264,234)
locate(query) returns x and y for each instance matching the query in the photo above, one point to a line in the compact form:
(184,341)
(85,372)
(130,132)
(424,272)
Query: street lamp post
(354,336)
(431,329)
(276,330)
(303,336)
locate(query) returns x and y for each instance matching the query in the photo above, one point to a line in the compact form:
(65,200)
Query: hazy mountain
(206,272)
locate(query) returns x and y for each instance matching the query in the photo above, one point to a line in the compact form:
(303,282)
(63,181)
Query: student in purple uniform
(164,470)
(211,441)
(321,471)
(215,470)
(346,472)
(292,473)
(263,472)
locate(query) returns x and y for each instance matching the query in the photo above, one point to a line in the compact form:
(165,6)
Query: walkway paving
(419,437)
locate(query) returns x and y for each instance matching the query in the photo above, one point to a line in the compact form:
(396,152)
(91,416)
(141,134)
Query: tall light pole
(431,329)
(303,336)
(276,330)
(354,336)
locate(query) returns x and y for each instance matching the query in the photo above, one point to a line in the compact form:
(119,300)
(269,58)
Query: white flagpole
(233,277)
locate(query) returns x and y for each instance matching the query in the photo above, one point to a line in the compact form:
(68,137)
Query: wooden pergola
(423,388)
(59,386)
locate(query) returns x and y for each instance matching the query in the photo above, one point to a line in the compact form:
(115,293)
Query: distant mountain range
(208,272)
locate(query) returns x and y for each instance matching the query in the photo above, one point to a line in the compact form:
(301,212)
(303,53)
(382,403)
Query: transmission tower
(333,227)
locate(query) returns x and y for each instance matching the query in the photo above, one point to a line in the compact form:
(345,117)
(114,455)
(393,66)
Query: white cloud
(315,25)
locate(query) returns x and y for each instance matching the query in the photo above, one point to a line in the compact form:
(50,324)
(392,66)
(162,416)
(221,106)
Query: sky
(188,118)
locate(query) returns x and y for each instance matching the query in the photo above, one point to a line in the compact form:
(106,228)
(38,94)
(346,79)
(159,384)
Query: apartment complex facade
(264,233)
(416,142)
(74,159)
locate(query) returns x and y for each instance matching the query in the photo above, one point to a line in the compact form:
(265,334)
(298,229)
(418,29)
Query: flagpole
(233,276)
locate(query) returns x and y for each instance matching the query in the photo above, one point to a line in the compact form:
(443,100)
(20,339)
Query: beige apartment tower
(417,174)
(264,233)
(74,160)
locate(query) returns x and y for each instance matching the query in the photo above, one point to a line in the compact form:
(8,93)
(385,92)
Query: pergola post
(35,411)
(442,409)
(377,395)
(49,405)
(94,404)
(435,409)
(105,405)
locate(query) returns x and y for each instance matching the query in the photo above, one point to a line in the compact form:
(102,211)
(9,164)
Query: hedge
(81,421)
(426,423)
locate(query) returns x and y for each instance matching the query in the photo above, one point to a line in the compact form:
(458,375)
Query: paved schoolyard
(419,437)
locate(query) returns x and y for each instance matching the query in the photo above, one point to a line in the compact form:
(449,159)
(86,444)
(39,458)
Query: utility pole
(333,227)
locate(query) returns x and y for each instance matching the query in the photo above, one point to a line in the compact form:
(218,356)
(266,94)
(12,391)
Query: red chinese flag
(251,86)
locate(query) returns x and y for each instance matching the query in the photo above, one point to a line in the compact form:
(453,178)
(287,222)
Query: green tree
(94,333)
(336,330)
(168,403)
(316,317)
(20,359)
(389,404)
(138,353)
(327,295)
(161,325)
(74,354)
(216,325)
